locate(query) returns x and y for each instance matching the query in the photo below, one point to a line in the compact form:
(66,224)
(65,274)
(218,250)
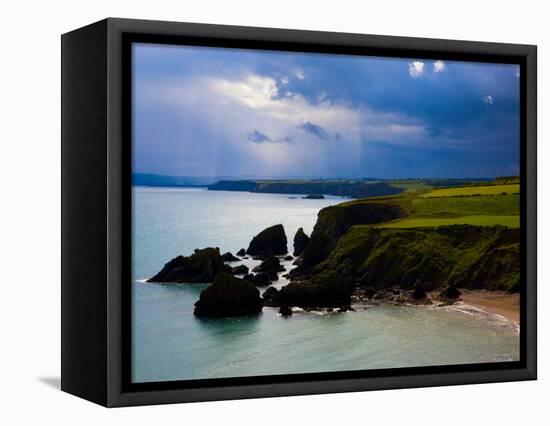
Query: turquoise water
(170,343)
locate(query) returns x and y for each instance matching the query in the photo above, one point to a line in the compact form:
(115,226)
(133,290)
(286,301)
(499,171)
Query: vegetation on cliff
(416,240)
(460,255)
(334,221)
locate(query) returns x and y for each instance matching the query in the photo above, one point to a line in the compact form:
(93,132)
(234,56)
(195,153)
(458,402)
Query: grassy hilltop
(430,237)
(483,205)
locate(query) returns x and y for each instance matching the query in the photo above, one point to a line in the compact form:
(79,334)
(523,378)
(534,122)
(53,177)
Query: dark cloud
(313,129)
(258,137)
(463,135)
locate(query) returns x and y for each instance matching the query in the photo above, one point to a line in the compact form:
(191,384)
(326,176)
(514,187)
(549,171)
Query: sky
(203,111)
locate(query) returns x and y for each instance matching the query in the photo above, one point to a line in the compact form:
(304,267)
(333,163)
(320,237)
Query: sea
(169,343)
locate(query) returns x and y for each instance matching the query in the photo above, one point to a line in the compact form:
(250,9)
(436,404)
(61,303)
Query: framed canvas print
(253,212)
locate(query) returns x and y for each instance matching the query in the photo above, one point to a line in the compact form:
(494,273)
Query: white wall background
(30,210)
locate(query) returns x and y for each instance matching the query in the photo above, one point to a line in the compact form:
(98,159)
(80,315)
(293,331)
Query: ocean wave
(485,315)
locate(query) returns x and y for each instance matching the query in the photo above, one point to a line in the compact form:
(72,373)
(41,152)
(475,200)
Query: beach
(494,302)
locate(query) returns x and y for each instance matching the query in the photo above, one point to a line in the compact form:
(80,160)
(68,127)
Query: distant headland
(312,188)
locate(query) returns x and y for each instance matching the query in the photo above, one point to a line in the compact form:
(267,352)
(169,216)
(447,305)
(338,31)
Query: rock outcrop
(285,311)
(270,296)
(327,289)
(228,257)
(269,265)
(301,240)
(228,296)
(418,296)
(262,279)
(271,241)
(451,293)
(240,270)
(201,267)
(241,252)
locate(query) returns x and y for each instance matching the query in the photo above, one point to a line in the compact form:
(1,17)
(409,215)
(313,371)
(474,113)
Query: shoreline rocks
(269,296)
(262,279)
(327,289)
(451,294)
(240,270)
(285,311)
(270,265)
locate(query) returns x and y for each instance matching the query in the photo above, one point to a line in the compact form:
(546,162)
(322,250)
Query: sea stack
(271,241)
(228,296)
(301,240)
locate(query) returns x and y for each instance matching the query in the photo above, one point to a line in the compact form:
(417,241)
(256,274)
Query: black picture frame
(96,212)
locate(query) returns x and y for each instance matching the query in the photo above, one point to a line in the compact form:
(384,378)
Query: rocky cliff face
(463,256)
(334,221)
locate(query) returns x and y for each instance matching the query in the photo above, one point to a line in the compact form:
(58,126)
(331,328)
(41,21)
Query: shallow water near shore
(170,343)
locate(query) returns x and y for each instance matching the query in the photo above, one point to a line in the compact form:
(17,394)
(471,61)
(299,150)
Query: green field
(499,205)
(510,221)
(472,191)
(466,206)
(411,186)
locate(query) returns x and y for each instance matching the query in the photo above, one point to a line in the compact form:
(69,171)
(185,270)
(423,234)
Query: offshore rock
(228,296)
(271,241)
(201,267)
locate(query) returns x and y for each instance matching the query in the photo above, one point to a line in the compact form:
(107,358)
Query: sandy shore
(495,302)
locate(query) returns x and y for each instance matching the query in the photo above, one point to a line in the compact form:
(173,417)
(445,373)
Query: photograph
(306,213)
(299,212)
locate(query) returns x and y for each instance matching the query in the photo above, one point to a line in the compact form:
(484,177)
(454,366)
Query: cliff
(334,221)
(463,256)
